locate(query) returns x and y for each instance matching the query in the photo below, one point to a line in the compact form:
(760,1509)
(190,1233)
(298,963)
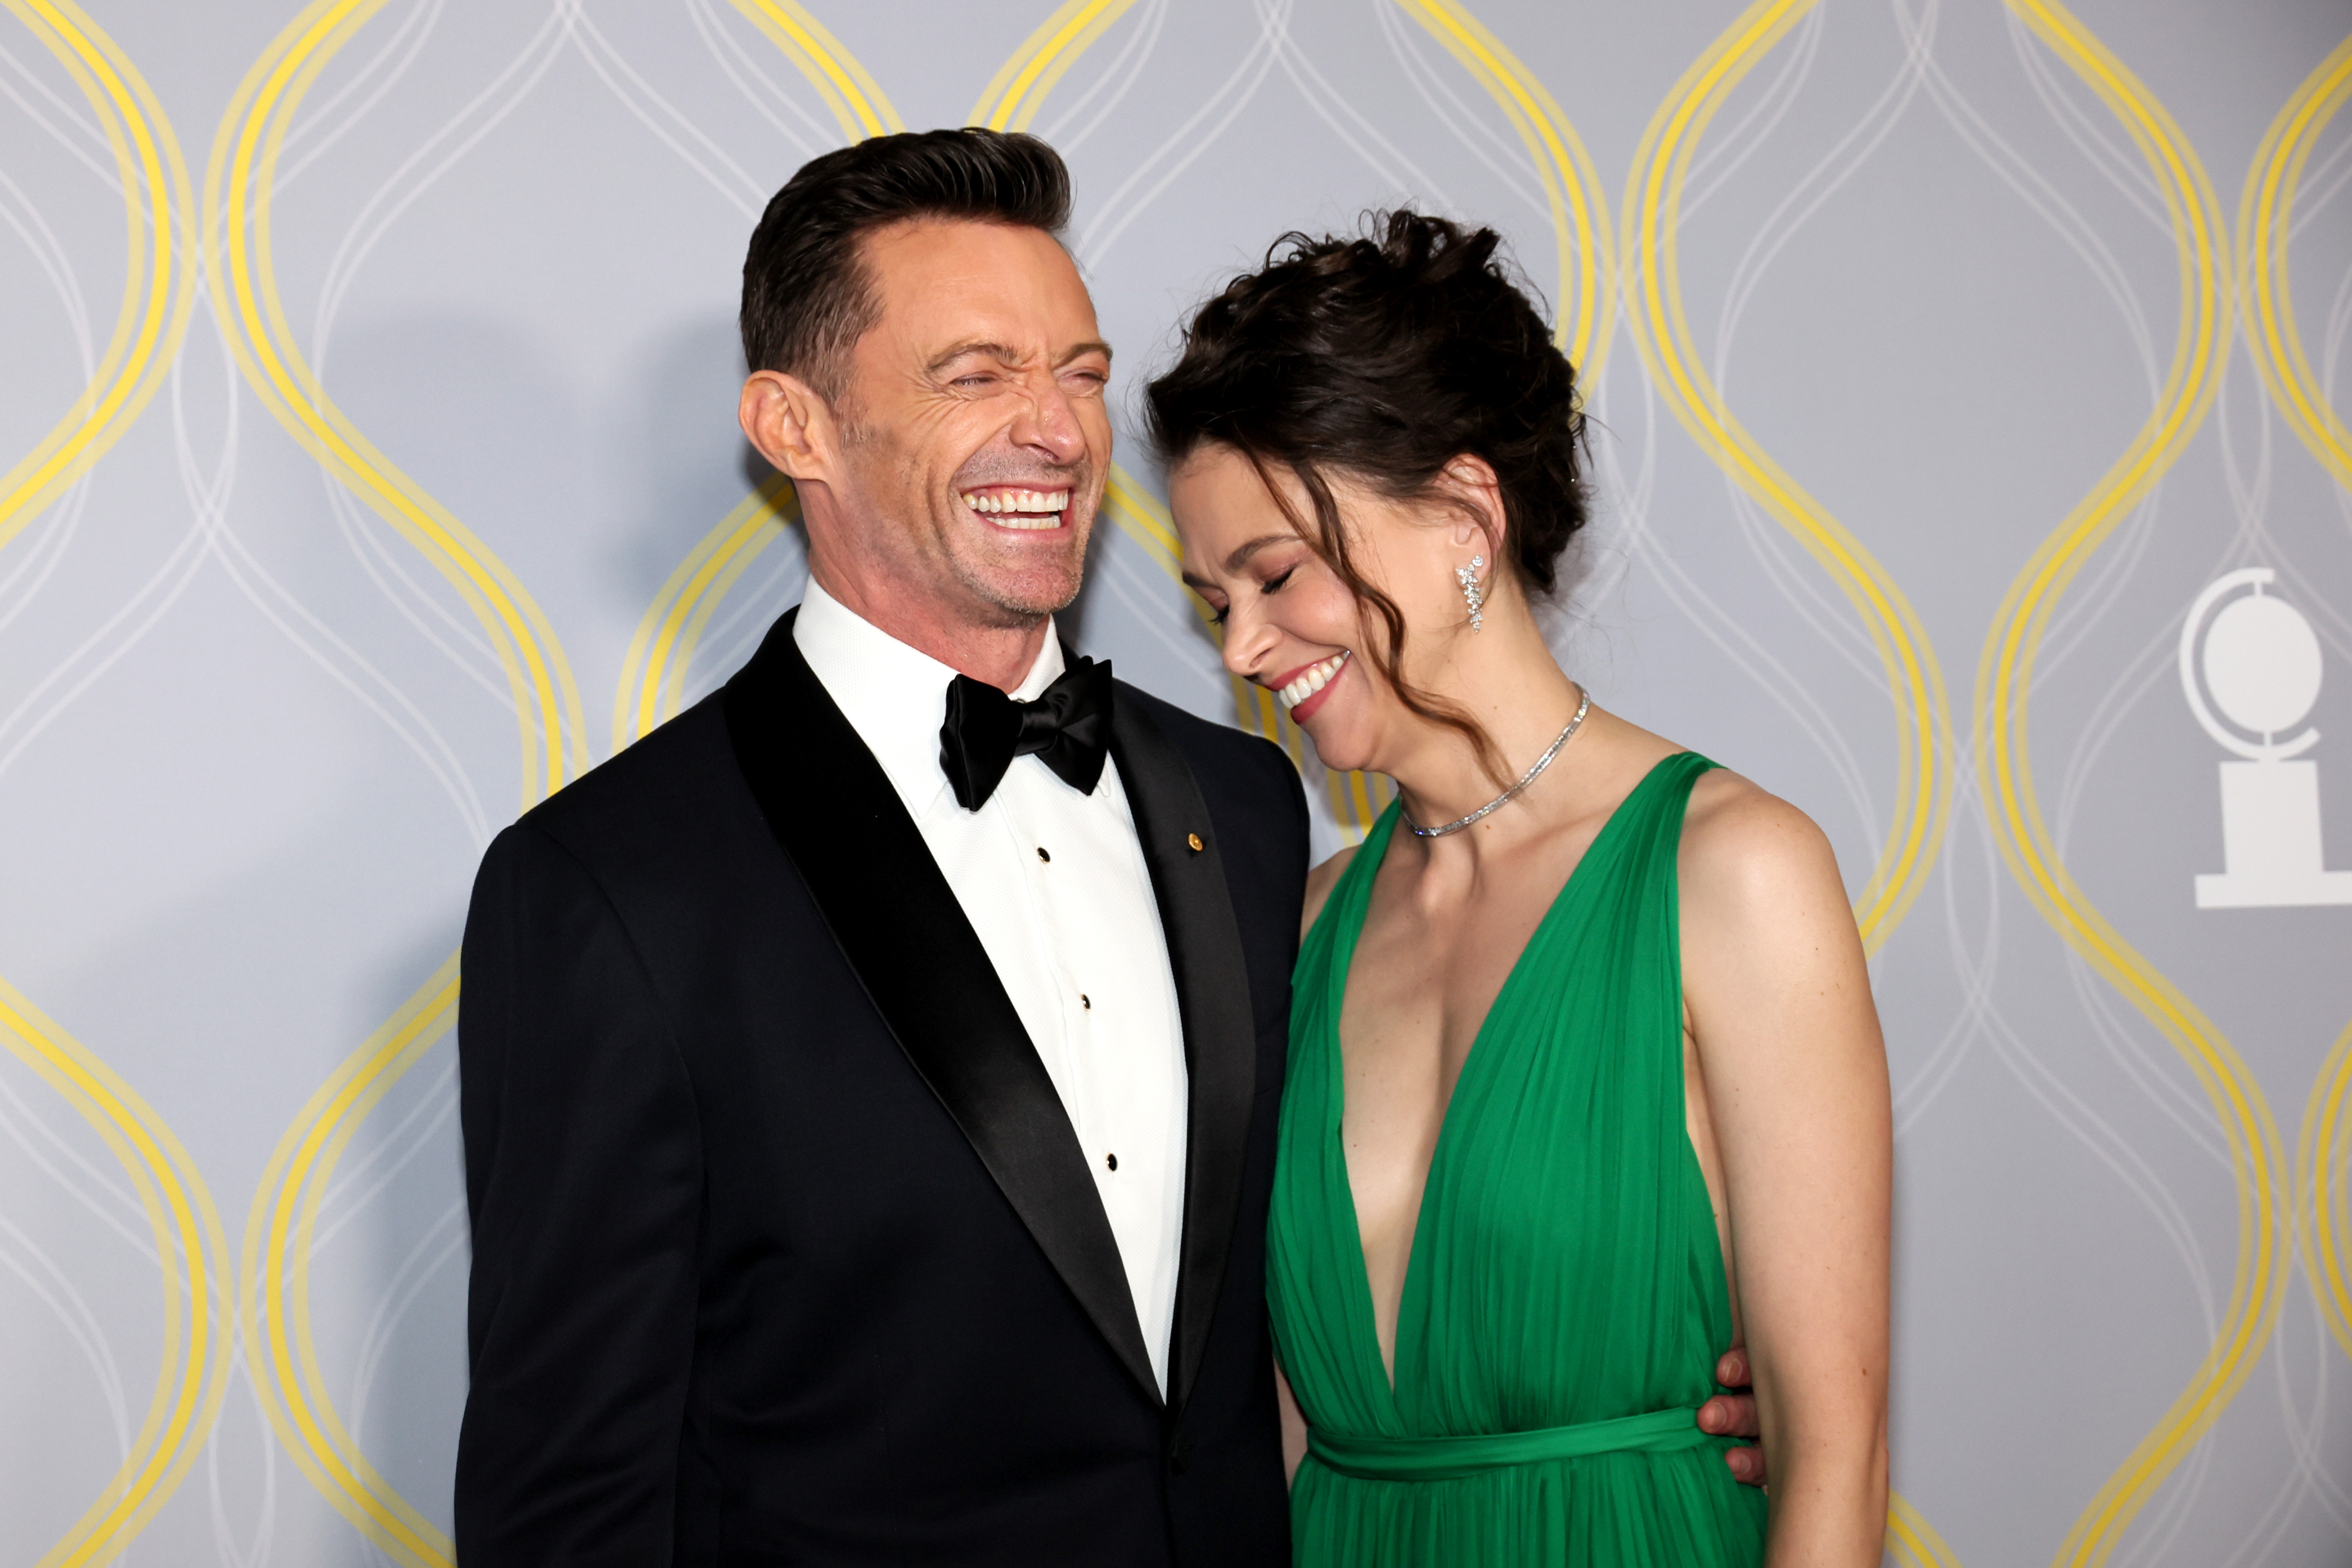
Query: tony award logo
(2260,662)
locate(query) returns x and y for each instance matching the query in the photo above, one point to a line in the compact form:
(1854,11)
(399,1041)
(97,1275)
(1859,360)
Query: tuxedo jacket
(785,1249)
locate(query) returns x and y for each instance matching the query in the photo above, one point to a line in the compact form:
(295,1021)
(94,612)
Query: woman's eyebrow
(1240,558)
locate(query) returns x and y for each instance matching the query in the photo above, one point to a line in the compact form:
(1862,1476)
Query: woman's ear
(1476,496)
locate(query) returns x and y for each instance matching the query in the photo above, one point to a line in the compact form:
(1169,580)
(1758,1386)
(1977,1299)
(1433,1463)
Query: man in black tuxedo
(869,1077)
(869,1167)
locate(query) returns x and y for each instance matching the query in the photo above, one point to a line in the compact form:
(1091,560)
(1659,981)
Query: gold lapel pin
(1194,839)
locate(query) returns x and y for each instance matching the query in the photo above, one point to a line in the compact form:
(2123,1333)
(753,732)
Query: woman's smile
(1304,689)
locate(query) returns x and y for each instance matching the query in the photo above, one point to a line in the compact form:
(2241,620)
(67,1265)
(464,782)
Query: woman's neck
(1506,678)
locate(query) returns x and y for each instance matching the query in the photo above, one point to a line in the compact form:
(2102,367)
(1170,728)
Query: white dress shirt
(1054,883)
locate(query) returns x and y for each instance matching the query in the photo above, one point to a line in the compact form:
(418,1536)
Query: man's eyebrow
(950,355)
(1003,355)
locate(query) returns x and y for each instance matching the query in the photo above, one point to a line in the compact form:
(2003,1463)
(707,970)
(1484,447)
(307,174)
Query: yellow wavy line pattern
(2324,1189)
(274,1278)
(156,293)
(193,1370)
(856,99)
(273,1282)
(238,181)
(198,1328)
(1650,229)
(1579,208)
(238,191)
(1915,682)
(2004,684)
(1912,1541)
(653,674)
(2265,213)
(1018,89)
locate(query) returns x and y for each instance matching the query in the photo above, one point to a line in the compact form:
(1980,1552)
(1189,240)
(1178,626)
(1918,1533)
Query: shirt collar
(895,697)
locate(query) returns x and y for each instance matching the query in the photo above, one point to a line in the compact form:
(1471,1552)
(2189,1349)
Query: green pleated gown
(1565,1301)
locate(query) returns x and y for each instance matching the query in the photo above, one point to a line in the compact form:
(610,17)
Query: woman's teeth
(1022,508)
(1312,679)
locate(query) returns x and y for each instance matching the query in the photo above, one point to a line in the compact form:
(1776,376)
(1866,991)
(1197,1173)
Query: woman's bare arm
(1795,1090)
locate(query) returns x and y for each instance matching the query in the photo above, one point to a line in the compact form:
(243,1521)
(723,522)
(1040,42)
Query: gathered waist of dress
(1449,1459)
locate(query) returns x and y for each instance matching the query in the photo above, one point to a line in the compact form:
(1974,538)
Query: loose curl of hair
(1382,358)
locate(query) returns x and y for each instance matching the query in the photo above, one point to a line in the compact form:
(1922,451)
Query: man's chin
(1027,594)
(1011,605)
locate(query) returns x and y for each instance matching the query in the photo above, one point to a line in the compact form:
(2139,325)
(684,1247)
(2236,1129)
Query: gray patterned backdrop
(1971,471)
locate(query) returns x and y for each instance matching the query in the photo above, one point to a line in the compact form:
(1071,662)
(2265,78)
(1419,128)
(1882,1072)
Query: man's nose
(1049,424)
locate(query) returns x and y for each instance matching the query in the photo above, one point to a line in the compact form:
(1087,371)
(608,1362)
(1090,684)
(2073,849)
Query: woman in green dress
(1585,1080)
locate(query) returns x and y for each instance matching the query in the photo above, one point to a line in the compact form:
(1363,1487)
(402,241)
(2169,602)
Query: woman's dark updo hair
(1382,359)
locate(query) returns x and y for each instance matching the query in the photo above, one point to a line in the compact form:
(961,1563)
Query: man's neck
(1000,655)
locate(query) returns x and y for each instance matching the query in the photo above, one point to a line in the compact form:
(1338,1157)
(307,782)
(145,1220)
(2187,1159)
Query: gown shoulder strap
(1652,837)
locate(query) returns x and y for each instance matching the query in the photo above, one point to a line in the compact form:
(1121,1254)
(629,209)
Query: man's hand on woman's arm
(1733,1415)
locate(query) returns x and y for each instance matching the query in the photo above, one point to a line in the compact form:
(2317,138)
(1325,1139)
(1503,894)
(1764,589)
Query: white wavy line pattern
(1690,600)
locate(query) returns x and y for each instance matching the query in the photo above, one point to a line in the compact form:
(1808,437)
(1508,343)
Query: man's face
(975,440)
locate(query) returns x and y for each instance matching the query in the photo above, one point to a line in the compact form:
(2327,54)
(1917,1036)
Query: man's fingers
(1734,1416)
(1729,1415)
(1746,1465)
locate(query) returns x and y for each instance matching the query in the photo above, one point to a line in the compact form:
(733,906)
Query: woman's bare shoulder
(1748,853)
(1320,884)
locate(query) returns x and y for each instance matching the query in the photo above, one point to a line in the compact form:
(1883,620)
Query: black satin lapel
(833,811)
(1204,949)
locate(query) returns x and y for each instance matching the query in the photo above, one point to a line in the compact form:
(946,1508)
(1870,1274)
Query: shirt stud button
(1111,1160)
(1194,839)
(1043,855)
(1085,1001)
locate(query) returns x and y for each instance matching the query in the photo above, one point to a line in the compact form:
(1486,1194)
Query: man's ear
(789,426)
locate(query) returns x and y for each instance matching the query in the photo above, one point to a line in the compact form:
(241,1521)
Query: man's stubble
(999,606)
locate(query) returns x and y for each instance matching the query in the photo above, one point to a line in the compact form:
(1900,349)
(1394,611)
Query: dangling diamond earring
(1468,577)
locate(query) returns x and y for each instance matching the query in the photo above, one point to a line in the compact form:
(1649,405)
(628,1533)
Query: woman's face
(1291,626)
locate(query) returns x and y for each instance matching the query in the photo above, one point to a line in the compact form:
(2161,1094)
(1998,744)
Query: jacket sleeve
(583,1179)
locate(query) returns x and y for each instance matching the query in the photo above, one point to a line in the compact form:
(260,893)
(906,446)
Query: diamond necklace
(1584,704)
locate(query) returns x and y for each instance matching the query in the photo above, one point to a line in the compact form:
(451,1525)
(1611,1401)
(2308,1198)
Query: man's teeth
(1022,508)
(1312,679)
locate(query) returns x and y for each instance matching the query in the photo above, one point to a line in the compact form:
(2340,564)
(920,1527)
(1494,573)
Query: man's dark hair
(807,295)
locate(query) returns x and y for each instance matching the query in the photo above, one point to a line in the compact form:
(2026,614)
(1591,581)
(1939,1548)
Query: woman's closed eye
(1219,613)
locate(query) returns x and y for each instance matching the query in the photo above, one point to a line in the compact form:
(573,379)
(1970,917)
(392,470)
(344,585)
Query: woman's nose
(1249,642)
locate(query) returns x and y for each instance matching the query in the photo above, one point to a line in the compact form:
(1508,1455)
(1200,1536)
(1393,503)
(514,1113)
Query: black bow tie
(1068,727)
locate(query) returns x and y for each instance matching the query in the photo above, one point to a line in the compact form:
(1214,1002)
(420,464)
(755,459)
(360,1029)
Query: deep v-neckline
(1357,910)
